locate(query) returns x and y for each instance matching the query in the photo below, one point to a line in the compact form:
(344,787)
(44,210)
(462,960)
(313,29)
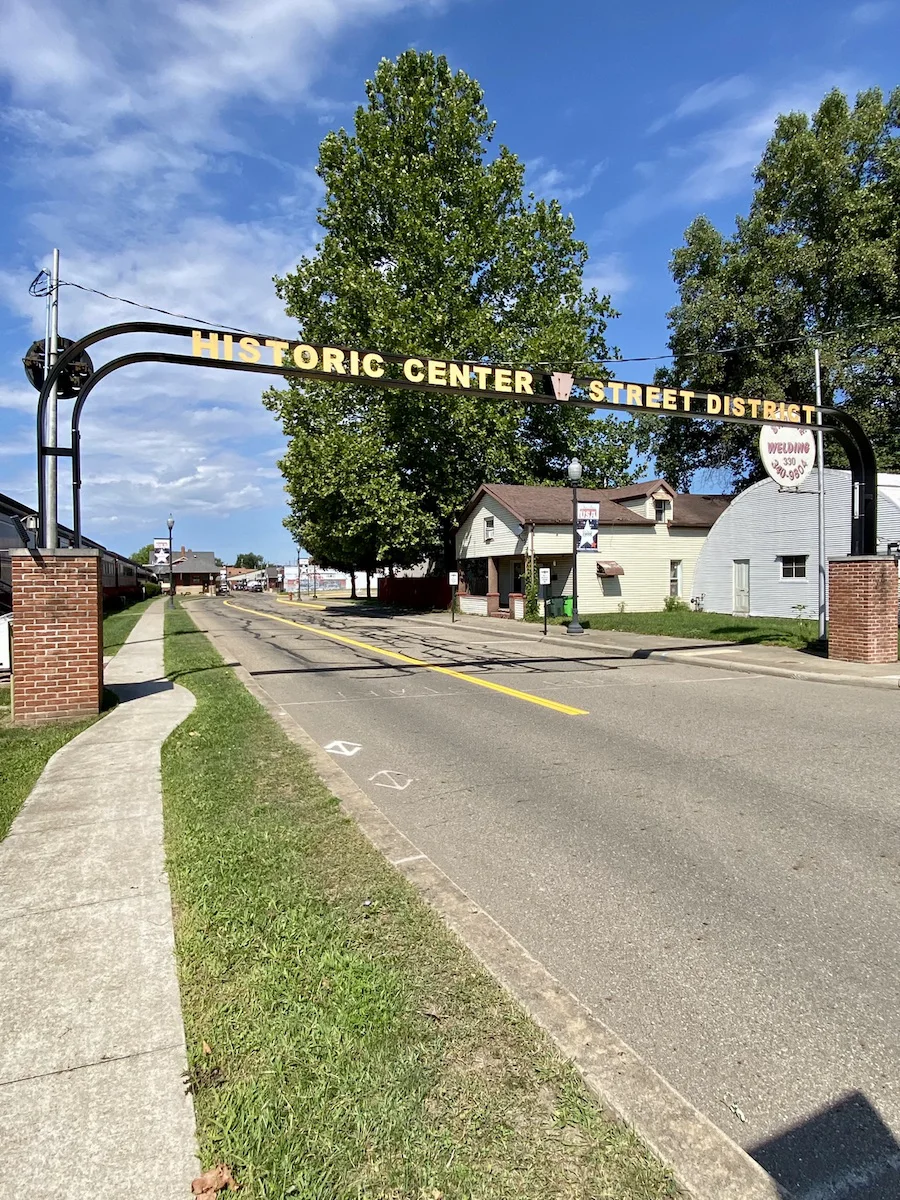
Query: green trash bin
(567,606)
(555,606)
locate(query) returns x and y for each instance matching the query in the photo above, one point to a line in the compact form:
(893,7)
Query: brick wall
(862,609)
(57,635)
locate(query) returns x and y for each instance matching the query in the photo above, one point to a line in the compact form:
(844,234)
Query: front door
(742,587)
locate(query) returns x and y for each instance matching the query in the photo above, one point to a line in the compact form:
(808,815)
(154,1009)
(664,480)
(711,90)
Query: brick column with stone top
(57,635)
(862,609)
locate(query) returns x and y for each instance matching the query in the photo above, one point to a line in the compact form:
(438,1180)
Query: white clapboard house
(647,542)
(761,557)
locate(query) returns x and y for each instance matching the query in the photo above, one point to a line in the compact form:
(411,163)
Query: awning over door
(607,568)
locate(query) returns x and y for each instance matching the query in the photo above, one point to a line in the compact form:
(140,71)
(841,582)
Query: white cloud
(872,13)
(714,94)
(608,274)
(562,185)
(131,128)
(715,163)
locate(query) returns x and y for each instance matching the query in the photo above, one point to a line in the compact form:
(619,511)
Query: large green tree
(815,262)
(430,248)
(142,556)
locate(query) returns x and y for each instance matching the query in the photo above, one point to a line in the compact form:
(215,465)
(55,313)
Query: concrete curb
(697,658)
(706,1163)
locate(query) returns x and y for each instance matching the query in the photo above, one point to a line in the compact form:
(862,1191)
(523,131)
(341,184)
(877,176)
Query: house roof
(553,505)
(637,490)
(191,562)
(547,505)
(697,512)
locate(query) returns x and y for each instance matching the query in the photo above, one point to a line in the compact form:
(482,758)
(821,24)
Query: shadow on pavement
(844,1152)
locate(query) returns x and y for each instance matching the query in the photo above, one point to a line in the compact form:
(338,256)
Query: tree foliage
(815,262)
(250,562)
(142,556)
(430,248)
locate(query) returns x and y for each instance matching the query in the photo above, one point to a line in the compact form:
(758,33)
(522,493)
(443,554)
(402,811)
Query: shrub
(675,604)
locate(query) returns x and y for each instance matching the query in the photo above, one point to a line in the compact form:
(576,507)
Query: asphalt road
(710,861)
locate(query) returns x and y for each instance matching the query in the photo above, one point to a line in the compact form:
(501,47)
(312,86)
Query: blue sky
(168,149)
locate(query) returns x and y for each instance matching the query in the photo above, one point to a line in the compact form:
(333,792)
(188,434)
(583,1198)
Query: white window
(793,566)
(488,529)
(675,577)
(661,508)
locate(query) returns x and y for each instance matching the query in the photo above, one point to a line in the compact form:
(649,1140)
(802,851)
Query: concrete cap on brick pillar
(59,552)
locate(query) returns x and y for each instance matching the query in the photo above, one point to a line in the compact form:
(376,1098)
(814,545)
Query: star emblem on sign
(587,534)
(160,557)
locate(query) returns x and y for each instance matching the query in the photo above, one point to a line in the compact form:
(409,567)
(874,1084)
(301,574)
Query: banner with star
(587,526)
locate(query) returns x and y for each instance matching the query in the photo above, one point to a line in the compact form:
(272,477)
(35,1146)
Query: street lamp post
(574,480)
(171,523)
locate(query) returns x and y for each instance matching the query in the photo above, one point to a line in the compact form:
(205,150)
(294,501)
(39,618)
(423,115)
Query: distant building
(642,541)
(761,558)
(195,571)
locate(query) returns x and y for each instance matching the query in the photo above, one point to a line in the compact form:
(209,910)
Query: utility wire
(40,286)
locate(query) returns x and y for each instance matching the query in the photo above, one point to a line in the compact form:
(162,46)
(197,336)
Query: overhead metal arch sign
(335,363)
(237,350)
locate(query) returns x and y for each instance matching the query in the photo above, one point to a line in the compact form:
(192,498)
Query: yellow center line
(302,604)
(417,662)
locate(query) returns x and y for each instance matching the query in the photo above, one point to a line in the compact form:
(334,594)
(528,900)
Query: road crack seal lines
(390,779)
(344,749)
(528,697)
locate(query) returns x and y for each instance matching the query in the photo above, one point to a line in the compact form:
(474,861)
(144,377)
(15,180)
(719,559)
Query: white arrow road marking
(347,749)
(391,779)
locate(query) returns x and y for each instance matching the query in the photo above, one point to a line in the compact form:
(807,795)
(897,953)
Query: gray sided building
(761,556)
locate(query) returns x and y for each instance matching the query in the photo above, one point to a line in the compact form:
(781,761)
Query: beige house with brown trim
(648,541)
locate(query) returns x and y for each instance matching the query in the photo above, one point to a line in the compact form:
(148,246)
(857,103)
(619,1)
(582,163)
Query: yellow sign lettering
(524,383)
(414,369)
(437,372)
(278,349)
(670,399)
(333,360)
(199,343)
(502,380)
(306,357)
(633,394)
(458,376)
(652,397)
(373,366)
(249,351)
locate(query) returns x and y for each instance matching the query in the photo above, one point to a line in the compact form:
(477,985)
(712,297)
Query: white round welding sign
(788,453)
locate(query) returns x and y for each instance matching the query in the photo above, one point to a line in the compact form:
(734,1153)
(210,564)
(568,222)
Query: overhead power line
(40,286)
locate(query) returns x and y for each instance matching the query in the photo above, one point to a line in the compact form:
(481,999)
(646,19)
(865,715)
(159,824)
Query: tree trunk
(368,586)
(353,585)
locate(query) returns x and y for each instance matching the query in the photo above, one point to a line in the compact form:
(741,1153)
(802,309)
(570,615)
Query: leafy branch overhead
(815,262)
(431,248)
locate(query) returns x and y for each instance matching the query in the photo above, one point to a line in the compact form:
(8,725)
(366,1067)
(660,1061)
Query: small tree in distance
(250,562)
(142,556)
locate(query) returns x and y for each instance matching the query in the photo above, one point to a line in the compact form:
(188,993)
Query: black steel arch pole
(845,427)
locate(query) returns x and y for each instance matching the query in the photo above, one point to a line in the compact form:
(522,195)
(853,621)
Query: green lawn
(118,625)
(24,752)
(342,1042)
(719,627)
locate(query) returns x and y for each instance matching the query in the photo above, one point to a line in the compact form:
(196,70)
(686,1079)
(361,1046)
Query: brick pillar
(57,635)
(862,609)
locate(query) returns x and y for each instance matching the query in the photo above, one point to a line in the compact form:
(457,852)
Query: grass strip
(118,625)
(716,627)
(342,1042)
(24,752)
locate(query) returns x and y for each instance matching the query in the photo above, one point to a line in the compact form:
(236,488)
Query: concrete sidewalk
(724,656)
(92,1052)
